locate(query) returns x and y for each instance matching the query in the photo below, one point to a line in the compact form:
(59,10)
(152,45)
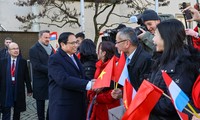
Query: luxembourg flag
(121,72)
(53,36)
(179,98)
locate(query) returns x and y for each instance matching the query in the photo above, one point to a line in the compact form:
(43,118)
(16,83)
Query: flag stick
(184,108)
(116,85)
(191,108)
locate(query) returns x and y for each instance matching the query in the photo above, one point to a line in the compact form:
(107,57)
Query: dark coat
(67,88)
(39,60)
(89,65)
(139,67)
(184,72)
(4,53)
(22,79)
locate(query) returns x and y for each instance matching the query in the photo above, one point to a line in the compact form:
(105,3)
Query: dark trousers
(41,110)
(16,114)
(6,113)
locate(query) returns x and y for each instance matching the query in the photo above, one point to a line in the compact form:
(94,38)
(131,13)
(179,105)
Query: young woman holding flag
(178,60)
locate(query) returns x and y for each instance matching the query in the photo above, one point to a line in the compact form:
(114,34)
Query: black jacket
(39,60)
(139,67)
(184,71)
(89,65)
(21,79)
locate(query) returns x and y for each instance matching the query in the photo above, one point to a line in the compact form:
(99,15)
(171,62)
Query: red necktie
(13,72)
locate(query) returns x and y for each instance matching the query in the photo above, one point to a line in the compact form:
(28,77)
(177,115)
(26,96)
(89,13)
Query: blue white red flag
(53,36)
(178,97)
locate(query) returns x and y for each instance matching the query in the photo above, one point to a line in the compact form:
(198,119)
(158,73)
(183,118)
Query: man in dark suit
(13,75)
(39,55)
(4,51)
(67,83)
(139,61)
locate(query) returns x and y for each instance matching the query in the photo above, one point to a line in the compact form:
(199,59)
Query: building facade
(8,12)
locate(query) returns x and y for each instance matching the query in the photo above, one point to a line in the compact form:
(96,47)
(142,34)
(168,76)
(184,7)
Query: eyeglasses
(121,41)
(14,49)
(73,43)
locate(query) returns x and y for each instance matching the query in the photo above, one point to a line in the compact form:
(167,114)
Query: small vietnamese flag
(53,36)
(144,101)
(121,72)
(129,93)
(105,77)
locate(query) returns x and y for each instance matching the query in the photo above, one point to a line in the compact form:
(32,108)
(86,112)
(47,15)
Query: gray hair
(128,33)
(43,31)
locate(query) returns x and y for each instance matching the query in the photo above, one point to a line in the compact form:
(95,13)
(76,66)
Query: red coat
(104,100)
(196,41)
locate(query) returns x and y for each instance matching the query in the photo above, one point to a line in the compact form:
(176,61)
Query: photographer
(150,19)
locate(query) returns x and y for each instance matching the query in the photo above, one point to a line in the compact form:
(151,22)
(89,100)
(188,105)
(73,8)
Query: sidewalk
(30,113)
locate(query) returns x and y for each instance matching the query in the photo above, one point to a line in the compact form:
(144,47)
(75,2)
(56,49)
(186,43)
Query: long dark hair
(173,34)
(110,49)
(87,50)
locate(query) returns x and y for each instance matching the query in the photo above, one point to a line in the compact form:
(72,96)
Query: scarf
(47,48)
(10,96)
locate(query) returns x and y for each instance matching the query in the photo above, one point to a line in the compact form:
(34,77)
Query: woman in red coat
(104,100)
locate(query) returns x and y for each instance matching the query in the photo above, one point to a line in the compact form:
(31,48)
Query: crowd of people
(66,76)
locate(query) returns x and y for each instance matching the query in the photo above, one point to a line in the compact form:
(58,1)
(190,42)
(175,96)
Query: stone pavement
(30,113)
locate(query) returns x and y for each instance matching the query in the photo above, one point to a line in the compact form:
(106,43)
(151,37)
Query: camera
(110,34)
(138,19)
(138,31)
(187,14)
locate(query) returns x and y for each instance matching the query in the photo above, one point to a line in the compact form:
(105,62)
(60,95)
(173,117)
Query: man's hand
(116,93)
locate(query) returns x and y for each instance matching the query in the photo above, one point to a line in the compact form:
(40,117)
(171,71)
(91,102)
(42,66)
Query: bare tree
(61,13)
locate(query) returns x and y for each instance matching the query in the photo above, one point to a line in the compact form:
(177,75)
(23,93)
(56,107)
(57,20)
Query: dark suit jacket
(39,60)
(67,86)
(3,53)
(139,67)
(22,78)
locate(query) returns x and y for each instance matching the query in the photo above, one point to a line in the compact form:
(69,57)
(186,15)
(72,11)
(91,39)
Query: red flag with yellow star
(105,77)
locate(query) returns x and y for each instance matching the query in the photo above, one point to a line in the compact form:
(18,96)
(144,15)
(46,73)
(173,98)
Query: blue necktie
(72,57)
(127,60)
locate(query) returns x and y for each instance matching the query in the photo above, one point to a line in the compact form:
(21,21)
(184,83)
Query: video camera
(138,19)
(187,14)
(110,34)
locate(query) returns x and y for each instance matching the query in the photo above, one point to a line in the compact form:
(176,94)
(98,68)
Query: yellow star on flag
(126,104)
(101,75)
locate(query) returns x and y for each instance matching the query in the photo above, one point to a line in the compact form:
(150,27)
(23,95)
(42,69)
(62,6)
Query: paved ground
(30,113)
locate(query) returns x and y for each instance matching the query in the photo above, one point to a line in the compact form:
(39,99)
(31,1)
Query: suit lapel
(135,56)
(42,49)
(71,62)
